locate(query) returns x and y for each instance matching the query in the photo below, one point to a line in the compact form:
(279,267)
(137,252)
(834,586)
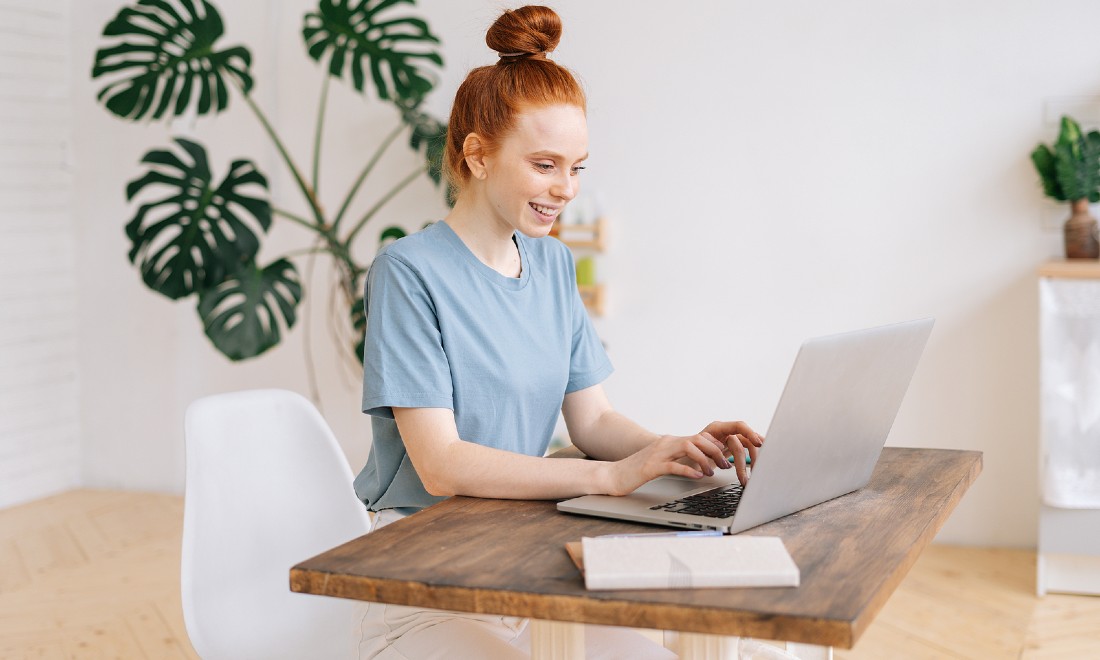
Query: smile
(545,210)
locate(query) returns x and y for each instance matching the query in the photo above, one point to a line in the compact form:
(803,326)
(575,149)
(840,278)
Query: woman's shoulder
(417,249)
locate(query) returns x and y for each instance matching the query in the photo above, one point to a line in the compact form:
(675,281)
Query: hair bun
(528,31)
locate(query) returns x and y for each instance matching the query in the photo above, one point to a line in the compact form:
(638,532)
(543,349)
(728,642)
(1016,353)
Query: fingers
(697,449)
(740,449)
(683,470)
(742,441)
(714,449)
(749,437)
(723,429)
(739,465)
(701,453)
(753,451)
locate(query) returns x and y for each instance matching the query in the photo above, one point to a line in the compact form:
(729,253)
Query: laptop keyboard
(718,502)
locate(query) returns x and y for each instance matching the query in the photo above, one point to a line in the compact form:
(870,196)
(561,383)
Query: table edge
(841,633)
(875,605)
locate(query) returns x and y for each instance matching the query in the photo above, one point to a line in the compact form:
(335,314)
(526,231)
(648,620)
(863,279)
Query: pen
(700,532)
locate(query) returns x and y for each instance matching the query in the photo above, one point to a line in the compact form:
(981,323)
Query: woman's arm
(448,465)
(601,432)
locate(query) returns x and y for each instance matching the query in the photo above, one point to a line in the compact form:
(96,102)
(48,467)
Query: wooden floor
(92,574)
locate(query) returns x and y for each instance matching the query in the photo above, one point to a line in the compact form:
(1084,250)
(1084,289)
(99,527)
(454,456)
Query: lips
(546,211)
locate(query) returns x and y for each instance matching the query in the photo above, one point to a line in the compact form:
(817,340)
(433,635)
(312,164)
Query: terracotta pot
(1081,233)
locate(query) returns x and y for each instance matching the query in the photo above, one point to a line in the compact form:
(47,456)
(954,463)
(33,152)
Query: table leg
(810,651)
(556,640)
(697,646)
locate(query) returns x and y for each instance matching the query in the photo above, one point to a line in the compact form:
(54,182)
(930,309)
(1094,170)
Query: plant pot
(1081,233)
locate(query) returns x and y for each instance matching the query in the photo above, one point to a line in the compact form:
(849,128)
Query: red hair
(489,99)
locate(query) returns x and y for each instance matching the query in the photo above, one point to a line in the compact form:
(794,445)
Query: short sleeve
(404,364)
(588,361)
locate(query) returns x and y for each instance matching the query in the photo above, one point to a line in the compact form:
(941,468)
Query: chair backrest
(267,487)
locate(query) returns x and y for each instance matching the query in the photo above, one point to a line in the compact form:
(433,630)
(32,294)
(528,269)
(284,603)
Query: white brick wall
(39,431)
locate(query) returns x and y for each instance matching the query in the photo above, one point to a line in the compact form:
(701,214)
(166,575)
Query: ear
(473,150)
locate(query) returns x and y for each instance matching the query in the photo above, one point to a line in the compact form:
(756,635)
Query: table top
(508,557)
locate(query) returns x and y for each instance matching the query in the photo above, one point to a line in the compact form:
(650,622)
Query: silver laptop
(828,430)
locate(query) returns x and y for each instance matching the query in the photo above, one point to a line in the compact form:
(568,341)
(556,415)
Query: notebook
(666,562)
(833,417)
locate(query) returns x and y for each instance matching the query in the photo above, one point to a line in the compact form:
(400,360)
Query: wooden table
(508,557)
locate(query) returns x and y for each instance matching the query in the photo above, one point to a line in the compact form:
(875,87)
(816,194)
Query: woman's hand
(693,456)
(739,440)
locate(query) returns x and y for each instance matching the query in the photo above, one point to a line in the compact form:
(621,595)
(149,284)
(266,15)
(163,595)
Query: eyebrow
(556,156)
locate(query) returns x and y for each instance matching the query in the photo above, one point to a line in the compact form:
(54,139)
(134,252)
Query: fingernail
(698,474)
(726,464)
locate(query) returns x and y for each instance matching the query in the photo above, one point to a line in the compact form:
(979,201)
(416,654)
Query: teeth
(546,211)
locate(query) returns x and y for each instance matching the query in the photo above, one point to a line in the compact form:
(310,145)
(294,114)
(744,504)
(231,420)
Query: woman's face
(534,173)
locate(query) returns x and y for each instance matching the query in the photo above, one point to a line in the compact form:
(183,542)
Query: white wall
(39,420)
(774,170)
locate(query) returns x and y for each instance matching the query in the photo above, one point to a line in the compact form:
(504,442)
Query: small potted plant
(1070,170)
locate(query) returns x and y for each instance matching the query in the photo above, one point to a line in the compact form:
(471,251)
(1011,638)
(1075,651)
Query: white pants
(396,632)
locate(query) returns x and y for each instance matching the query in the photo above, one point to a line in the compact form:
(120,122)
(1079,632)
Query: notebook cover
(687,562)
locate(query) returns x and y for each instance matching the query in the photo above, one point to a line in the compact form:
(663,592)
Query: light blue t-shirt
(446,331)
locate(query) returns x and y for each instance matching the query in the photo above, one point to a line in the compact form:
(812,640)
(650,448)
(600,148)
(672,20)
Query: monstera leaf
(243,314)
(169,60)
(353,31)
(189,239)
(429,132)
(390,234)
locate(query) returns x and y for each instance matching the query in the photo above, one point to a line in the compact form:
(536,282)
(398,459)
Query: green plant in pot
(198,233)
(1070,172)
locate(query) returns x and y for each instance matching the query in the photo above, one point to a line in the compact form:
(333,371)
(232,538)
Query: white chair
(267,487)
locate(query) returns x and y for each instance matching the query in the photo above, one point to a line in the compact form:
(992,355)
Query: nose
(565,186)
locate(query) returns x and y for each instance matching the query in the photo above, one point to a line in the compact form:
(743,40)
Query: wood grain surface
(1071,269)
(508,557)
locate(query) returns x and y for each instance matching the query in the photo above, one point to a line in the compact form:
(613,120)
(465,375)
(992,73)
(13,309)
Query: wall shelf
(586,238)
(1071,269)
(592,295)
(591,236)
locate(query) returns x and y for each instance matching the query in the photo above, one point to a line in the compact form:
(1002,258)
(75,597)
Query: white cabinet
(1069,461)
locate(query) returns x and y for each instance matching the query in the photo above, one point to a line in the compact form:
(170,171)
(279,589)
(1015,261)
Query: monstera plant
(197,233)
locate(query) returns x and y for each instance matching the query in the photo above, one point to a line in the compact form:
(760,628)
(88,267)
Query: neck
(490,242)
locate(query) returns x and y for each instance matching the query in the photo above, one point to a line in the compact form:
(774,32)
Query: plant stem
(366,170)
(382,202)
(317,135)
(307,328)
(310,197)
(296,218)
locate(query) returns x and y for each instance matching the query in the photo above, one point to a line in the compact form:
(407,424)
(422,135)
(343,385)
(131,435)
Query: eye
(544,167)
(577,170)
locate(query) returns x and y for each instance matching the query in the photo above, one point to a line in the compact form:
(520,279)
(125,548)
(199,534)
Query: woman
(477,338)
